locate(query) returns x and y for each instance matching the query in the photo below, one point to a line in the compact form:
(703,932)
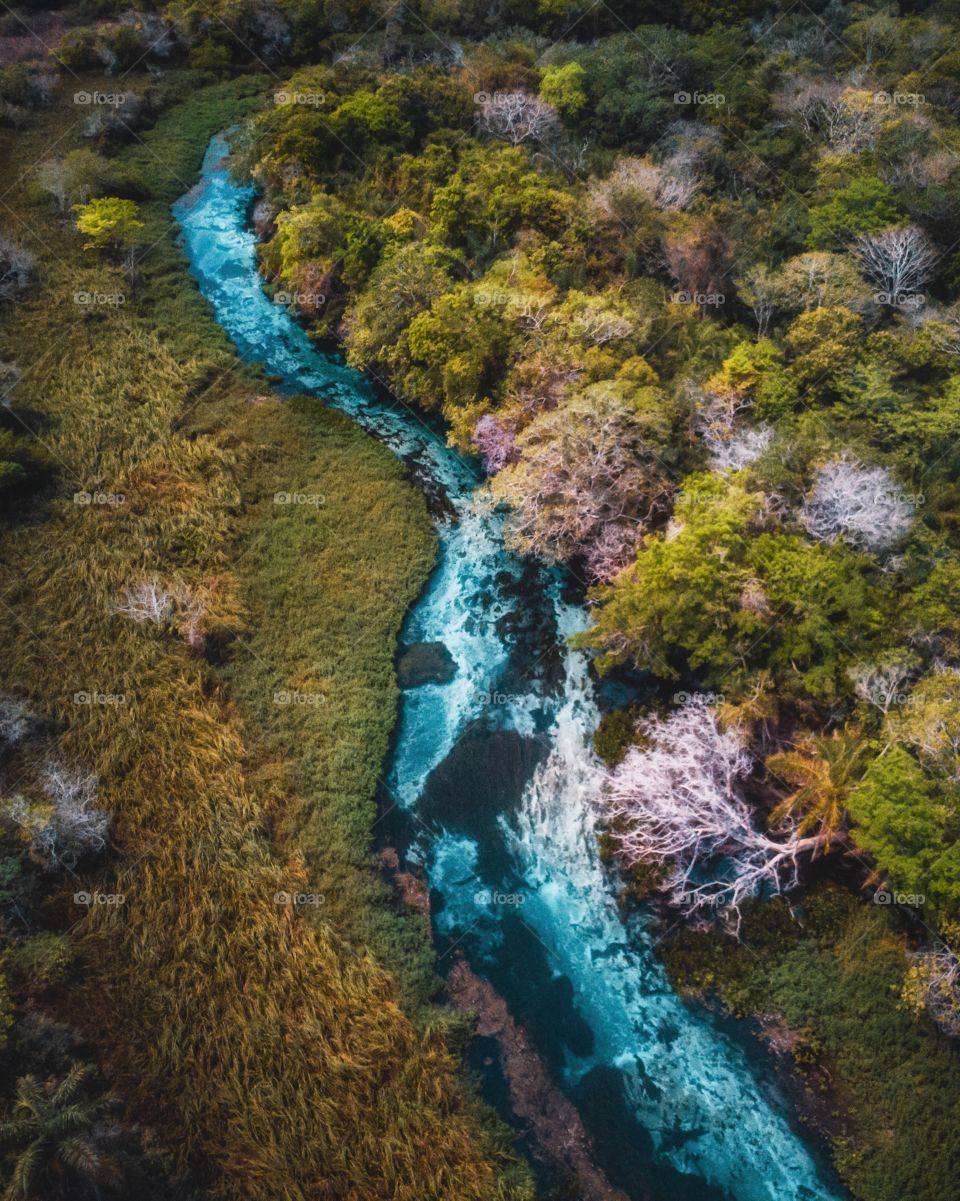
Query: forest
(678,289)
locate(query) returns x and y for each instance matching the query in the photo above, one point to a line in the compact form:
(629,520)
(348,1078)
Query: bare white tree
(76,827)
(531,307)
(812,100)
(148,600)
(582,468)
(518,117)
(15,722)
(861,505)
(715,416)
(157,603)
(674,805)
(849,117)
(819,278)
(854,120)
(677,187)
(53,179)
(917,170)
(606,554)
(16,268)
(899,260)
(881,683)
(934,984)
(743,447)
(597,325)
(70,826)
(670,186)
(496,443)
(758,287)
(944,328)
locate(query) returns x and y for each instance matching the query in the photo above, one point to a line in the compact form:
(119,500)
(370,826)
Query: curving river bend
(492,775)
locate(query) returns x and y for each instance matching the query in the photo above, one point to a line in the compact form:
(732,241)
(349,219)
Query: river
(489,786)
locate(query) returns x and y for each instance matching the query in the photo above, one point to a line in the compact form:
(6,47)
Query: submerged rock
(425,663)
(557,1132)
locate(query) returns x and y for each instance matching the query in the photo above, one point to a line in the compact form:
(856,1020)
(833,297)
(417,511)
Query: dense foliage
(706,351)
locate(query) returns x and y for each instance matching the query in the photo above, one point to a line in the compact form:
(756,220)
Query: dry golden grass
(272,1051)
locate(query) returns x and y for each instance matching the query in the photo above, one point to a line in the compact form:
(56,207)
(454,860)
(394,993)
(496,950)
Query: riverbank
(825,985)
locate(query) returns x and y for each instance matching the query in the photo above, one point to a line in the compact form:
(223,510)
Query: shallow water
(491,779)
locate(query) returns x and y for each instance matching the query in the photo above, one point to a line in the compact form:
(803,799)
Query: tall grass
(267,1042)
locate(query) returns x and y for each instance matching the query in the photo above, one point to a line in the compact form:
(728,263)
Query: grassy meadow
(279,1055)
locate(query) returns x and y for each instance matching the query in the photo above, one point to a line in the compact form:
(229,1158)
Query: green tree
(563,87)
(827,345)
(403,285)
(719,594)
(110,223)
(822,771)
(211,57)
(865,206)
(930,611)
(824,609)
(56,1140)
(458,350)
(680,601)
(910,824)
(366,122)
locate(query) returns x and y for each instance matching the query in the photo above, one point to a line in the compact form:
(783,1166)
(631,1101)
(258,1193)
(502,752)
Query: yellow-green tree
(822,771)
(110,223)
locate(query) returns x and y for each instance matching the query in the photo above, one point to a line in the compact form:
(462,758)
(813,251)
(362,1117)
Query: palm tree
(822,770)
(56,1141)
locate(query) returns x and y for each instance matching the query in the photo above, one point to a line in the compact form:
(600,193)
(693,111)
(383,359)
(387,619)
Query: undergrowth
(883,1089)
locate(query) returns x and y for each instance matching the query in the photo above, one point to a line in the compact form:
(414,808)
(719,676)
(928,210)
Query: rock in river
(425,663)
